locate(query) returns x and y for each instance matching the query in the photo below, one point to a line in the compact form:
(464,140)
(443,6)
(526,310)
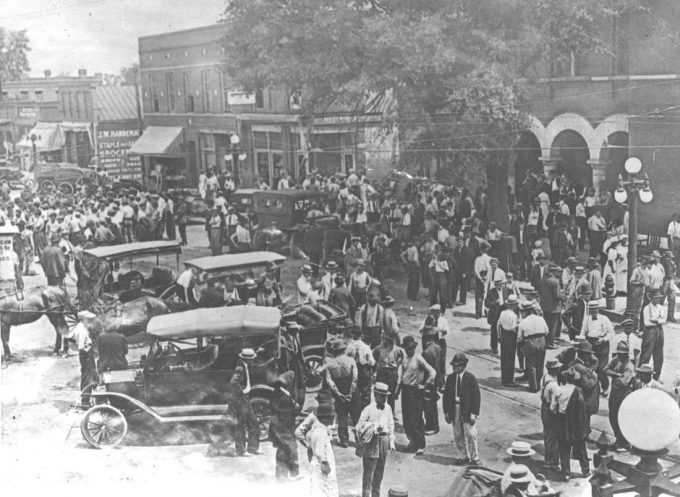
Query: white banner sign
(240,98)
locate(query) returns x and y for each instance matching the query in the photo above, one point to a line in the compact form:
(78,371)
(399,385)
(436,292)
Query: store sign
(27,113)
(240,98)
(7,276)
(112,147)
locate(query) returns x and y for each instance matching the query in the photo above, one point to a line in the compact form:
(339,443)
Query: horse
(51,301)
(128,318)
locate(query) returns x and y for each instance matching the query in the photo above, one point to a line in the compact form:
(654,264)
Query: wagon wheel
(66,188)
(71,320)
(47,185)
(103,426)
(313,378)
(263,414)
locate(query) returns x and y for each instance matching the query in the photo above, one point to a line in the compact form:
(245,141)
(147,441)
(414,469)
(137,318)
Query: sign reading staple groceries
(112,145)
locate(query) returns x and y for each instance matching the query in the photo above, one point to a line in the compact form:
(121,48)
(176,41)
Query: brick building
(599,109)
(56,109)
(191,110)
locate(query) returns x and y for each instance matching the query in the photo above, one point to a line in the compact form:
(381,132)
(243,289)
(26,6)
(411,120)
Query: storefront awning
(158,140)
(48,137)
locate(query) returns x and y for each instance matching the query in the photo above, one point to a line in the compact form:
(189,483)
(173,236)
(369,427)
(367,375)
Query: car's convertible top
(240,320)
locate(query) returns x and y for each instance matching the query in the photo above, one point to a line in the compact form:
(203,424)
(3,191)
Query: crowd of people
(444,240)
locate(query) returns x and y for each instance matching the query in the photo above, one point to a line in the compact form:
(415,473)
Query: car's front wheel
(103,426)
(260,407)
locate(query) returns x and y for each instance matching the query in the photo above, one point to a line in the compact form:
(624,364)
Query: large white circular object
(649,419)
(632,165)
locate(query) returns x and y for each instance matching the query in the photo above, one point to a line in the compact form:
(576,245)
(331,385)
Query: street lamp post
(636,188)
(237,155)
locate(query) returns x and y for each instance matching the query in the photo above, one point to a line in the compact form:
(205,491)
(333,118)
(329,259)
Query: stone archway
(570,150)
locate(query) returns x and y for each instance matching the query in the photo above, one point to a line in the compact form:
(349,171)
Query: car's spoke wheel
(103,426)
(263,414)
(313,378)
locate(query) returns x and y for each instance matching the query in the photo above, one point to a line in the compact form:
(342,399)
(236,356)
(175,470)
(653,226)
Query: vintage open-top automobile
(185,375)
(122,271)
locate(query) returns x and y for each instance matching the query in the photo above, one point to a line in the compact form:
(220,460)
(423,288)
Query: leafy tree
(14,48)
(452,68)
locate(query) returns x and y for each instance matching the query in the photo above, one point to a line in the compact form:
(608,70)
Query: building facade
(191,110)
(56,110)
(600,109)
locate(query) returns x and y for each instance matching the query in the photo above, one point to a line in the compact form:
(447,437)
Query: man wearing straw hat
(239,408)
(375,438)
(531,333)
(653,319)
(598,330)
(88,370)
(389,358)
(507,332)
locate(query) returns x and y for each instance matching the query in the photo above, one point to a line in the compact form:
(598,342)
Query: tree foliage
(453,68)
(14,48)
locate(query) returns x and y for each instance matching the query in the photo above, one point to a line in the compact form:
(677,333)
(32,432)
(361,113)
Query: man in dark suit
(494,301)
(551,306)
(461,405)
(465,255)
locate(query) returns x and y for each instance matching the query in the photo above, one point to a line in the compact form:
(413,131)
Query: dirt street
(41,440)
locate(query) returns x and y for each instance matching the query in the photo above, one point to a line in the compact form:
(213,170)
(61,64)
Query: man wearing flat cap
(52,261)
(461,405)
(341,379)
(622,372)
(573,426)
(340,296)
(551,305)
(549,384)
